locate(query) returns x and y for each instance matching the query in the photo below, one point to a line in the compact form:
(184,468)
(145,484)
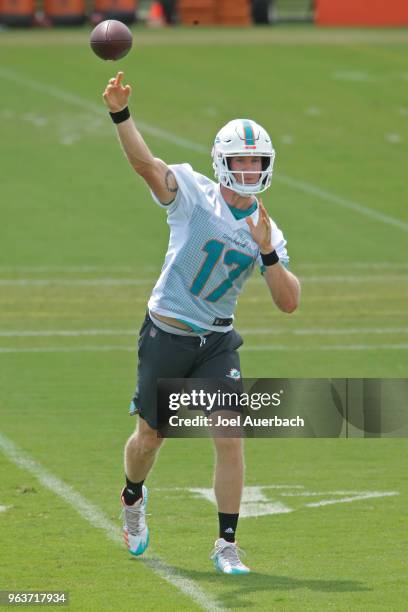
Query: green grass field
(81,246)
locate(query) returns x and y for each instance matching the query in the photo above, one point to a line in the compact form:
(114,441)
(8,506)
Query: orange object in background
(122,10)
(234,12)
(17,12)
(362,12)
(197,12)
(65,12)
(215,12)
(156,16)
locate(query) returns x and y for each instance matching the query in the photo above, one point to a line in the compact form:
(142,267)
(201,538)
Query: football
(111,40)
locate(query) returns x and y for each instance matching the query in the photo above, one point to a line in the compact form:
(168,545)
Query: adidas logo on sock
(130,490)
(229,530)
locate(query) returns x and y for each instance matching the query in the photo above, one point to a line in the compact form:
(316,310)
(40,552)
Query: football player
(219,232)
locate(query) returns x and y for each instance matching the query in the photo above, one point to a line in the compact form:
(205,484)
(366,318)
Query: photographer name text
(236,421)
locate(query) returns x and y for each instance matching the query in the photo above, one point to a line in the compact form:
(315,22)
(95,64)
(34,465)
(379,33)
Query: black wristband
(120,115)
(270,259)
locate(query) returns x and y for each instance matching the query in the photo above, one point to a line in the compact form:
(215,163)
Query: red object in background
(65,12)
(17,12)
(156,16)
(122,10)
(362,12)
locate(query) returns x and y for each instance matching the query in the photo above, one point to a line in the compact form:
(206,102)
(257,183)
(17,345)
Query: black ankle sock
(132,492)
(228,526)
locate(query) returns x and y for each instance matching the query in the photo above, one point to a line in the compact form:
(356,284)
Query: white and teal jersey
(210,254)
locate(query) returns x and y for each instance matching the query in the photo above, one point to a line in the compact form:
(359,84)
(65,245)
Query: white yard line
(342,202)
(261,331)
(97,519)
(334,278)
(361,331)
(34,269)
(256,503)
(68,333)
(328,347)
(255,348)
(352,330)
(99,109)
(67,349)
(348,493)
(198,148)
(75,282)
(355,265)
(352,498)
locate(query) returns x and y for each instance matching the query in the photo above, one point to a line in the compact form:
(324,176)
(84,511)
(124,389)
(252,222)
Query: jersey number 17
(214,250)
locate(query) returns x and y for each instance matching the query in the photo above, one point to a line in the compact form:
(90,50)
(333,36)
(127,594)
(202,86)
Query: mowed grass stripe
(36,318)
(93,515)
(356,265)
(73,333)
(42,282)
(187,36)
(249,348)
(198,148)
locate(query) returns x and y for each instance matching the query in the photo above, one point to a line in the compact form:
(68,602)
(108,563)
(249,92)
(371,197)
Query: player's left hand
(262,231)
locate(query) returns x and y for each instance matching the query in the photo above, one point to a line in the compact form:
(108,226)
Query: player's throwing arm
(155,172)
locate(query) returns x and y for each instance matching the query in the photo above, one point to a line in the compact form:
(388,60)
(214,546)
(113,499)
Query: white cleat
(135,530)
(226,558)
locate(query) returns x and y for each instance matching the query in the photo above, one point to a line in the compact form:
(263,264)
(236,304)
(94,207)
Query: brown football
(111,40)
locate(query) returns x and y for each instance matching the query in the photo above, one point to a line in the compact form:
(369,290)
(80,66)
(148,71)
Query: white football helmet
(241,138)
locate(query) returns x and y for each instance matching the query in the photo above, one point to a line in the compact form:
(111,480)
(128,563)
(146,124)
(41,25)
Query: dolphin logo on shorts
(234,373)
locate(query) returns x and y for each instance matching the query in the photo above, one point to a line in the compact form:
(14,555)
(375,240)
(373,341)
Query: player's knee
(148,438)
(150,442)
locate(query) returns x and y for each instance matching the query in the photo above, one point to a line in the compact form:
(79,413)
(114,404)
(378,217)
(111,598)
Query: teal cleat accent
(135,530)
(226,558)
(142,546)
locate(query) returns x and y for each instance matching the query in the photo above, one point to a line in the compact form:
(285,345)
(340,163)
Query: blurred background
(47,13)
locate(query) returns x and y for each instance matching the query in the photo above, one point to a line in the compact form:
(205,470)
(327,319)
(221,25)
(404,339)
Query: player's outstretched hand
(262,231)
(116,96)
